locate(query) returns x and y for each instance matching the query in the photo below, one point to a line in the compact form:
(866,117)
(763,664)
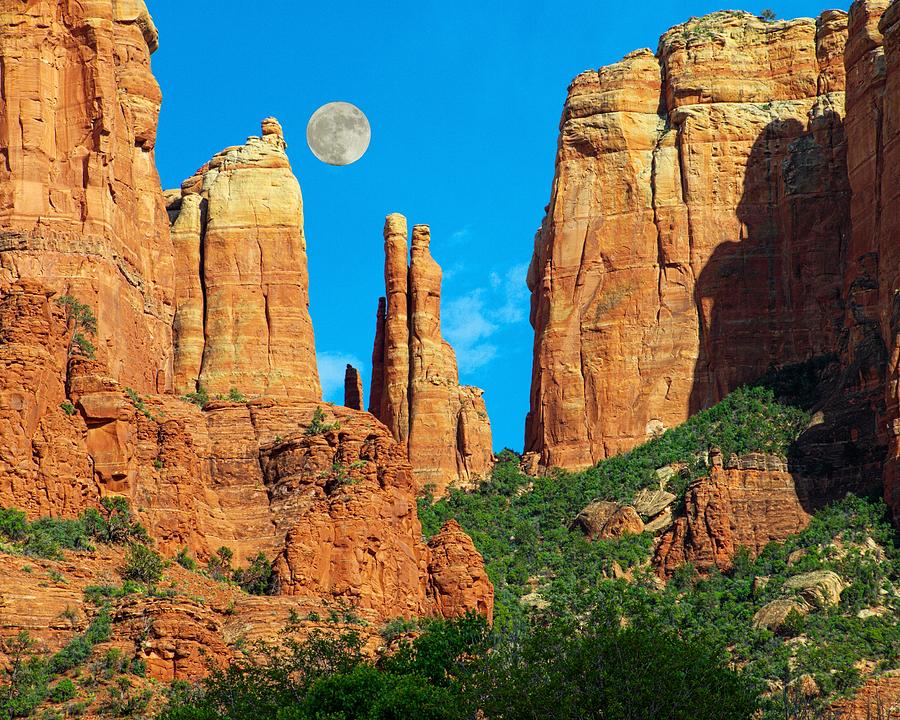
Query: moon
(338,133)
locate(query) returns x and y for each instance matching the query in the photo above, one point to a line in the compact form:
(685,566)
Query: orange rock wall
(80,204)
(415,381)
(698,214)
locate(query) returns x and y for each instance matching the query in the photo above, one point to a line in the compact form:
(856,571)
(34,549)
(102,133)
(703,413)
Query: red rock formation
(457,581)
(750,502)
(43,467)
(353,389)
(242,314)
(415,381)
(697,214)
(80,205)
(872,279)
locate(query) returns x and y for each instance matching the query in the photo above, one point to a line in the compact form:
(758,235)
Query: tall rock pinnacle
(415,381)
(242,297)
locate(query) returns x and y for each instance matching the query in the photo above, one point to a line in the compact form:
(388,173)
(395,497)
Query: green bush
(258,578)
(595,670)
(219,565)
(63,690)
(143,564)
(199,398)
(318,426)
(67,407)
(13,524)
(184,559)
(80,322)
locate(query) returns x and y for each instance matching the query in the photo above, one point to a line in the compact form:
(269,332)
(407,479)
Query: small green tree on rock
(768,16)
(80,323)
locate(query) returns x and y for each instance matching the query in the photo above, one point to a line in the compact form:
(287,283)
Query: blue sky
(464,99)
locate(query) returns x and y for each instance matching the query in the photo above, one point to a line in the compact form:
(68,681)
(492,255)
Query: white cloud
(332,366)
(466,327)
(517,298)
(459,236)
(470,320)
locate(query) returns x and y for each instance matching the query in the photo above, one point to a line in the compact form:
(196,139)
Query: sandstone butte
(242,312)
(415,381)
(82,213)
(722,205)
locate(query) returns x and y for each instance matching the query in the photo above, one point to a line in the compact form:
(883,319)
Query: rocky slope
(699,202)
(415,381)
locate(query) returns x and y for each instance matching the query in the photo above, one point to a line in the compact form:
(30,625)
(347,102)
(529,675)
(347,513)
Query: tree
(80,322)
(768,15)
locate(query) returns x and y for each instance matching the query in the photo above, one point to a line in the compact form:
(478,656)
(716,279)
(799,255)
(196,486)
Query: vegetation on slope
(454,669)
(520,524)
(541,569)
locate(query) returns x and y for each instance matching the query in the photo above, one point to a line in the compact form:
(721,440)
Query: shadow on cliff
(770,306)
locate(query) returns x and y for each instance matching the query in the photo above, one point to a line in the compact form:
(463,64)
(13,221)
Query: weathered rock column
(444,425)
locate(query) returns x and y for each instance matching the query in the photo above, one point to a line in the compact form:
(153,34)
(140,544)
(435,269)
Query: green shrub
(219,565)
(139,403)
(199,398)
(143,564)
(184,559)
(63,690)
(67,407)
(398,627)
(13,524)
(318,426)
(80,322)
(234,395)
(258,578)
(114,522)
(79,649)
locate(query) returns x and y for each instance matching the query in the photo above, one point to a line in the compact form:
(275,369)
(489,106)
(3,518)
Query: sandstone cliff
(415,381)
(325,493)
(80,203)
(242,289)
(698,212)
(872,280)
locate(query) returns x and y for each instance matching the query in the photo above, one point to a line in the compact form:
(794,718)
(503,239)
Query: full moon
(338,133)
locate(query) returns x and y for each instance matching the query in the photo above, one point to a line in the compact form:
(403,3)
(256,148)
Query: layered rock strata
(80,205)
(332,504)
(242,289)
(415,382)
(746,502)
(698,215)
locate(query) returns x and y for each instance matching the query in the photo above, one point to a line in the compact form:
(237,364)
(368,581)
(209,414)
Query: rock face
(872,279)
(334,507)
(699,206)
(457,581)
(80,205)
(353,389)
(415,381)
(242,289)
(749,502)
